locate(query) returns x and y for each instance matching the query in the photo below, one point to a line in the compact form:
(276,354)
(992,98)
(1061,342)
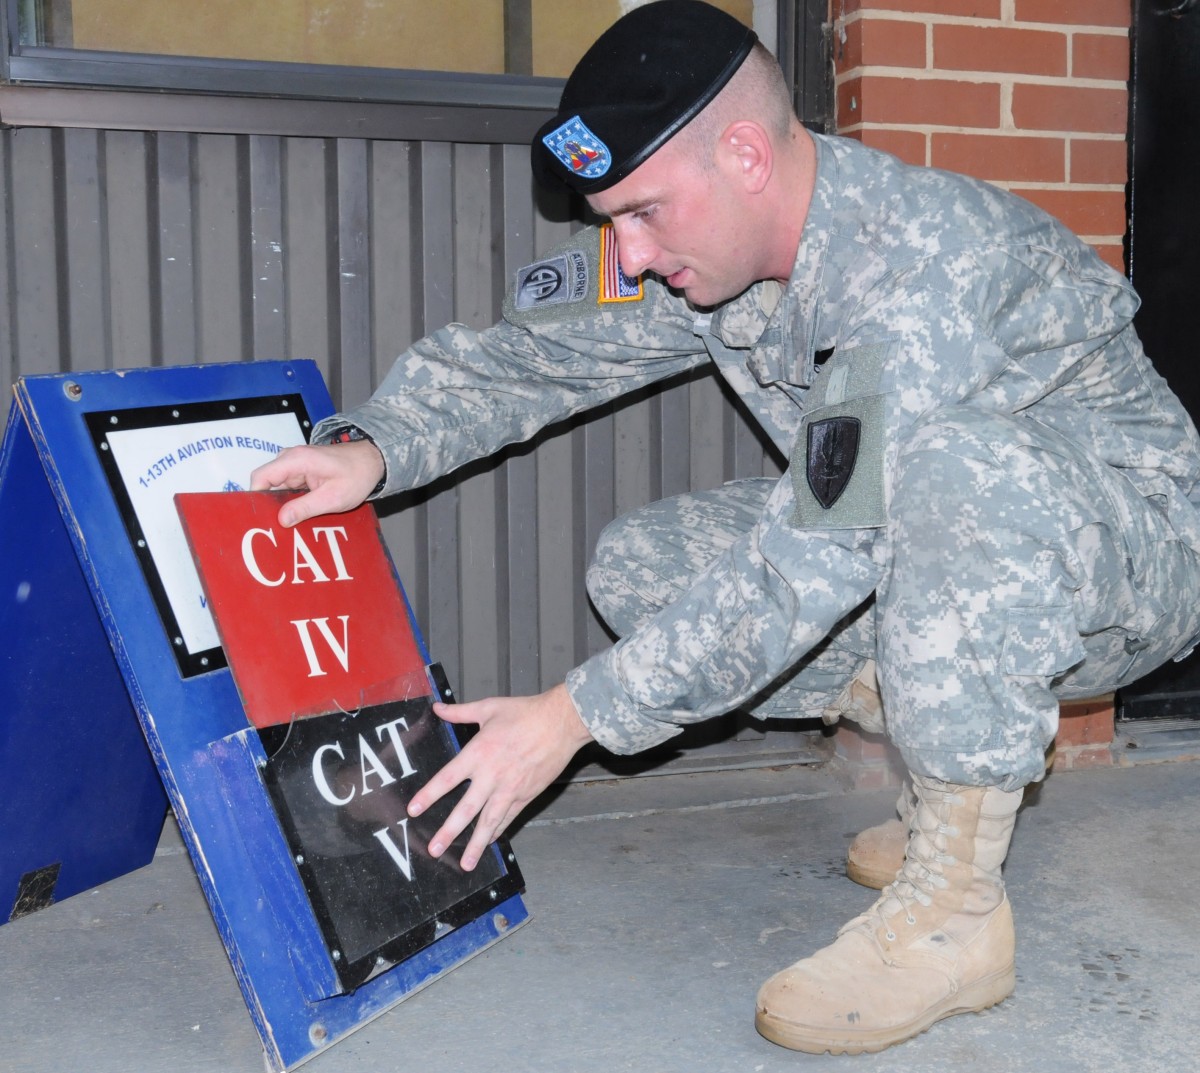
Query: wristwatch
(352,434)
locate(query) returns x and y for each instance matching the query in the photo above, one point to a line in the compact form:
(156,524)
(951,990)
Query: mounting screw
(73,391)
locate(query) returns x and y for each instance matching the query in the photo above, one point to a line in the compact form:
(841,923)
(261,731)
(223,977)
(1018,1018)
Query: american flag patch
(615,286)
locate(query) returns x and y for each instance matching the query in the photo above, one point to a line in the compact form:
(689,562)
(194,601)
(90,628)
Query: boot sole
(974,998)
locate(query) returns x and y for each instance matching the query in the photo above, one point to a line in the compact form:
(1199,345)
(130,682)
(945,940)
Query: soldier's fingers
(470,805)
(481,838)
(285,470)
(440,783)
(322,500)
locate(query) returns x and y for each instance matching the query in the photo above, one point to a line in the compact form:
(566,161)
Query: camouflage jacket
(926,290)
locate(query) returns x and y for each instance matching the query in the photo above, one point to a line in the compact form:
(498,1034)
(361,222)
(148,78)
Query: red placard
(311,618)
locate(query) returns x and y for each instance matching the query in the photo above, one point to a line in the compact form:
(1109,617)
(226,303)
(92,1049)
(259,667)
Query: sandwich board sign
(283,694)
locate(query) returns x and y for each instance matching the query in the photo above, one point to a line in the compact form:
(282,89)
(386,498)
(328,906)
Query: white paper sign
(201,456)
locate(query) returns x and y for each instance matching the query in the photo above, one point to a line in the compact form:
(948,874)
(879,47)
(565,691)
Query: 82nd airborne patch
(550,282)
(576,280)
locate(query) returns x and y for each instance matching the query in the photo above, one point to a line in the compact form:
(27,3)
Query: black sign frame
(100,423)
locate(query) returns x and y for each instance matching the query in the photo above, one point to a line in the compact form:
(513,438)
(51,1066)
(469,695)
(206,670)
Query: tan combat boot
(877,854)
(859,701)
(939,941)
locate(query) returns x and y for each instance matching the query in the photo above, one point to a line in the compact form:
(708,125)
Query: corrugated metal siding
(125,249)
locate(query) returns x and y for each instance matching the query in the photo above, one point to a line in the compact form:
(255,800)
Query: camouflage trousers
(1018,571)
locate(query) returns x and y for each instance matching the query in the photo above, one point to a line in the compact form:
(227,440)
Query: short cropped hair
(757,91)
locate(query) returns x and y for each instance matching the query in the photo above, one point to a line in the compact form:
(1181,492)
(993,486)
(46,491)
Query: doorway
(1164,258)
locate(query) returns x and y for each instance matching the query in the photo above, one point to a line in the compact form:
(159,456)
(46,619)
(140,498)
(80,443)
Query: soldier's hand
(521,745)
(338,478)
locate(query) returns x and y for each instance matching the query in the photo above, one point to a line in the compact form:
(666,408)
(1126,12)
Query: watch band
(353,434)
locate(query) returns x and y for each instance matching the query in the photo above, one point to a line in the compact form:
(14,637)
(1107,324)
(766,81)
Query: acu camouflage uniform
(990,489)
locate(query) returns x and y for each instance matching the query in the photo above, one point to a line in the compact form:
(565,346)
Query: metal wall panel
(124,249)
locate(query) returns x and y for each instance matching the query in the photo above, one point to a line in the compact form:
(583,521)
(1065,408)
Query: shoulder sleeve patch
(564,278)
(837,459)
(572,280)
(837,466)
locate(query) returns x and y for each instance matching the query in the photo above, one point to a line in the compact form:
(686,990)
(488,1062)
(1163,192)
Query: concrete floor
(659,906)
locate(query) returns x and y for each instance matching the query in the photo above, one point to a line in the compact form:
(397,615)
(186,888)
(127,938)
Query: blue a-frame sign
(103,656)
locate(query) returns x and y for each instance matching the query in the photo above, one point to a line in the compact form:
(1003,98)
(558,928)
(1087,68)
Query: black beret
(645,78)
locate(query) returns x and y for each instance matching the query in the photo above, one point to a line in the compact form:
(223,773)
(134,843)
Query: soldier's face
(683,221)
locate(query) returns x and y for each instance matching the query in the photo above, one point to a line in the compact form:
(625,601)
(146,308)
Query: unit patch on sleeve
(576,280)
(615,286)
(832,452)
(551,282)
(837,459)
(837,466)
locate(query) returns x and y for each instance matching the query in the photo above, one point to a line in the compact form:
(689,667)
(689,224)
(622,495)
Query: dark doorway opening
(1164,257)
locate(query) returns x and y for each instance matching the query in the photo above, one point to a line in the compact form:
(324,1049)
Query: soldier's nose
(635,253)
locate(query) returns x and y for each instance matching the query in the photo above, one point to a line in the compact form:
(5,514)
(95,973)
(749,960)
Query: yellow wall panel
(449,35)
(446,35)
(563,30)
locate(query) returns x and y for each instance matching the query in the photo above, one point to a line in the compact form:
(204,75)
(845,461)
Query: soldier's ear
(748,150)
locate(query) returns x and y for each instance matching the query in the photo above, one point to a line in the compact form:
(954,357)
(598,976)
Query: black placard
(340,785)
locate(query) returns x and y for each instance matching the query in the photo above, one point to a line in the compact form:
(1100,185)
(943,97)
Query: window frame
(50,86)
(46,85)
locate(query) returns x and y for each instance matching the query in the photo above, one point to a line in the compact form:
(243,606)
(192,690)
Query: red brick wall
(1028,94)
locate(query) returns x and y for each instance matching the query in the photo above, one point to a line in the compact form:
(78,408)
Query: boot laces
(920,877)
